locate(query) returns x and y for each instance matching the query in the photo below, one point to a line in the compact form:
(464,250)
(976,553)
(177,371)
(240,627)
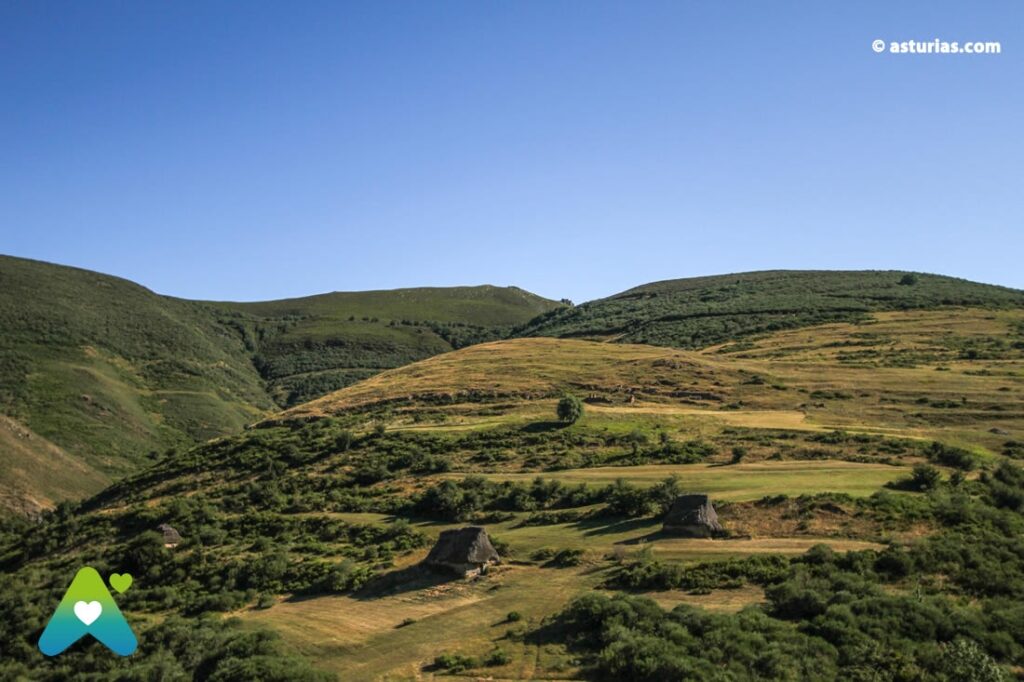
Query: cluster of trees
(459,500)
(650,574)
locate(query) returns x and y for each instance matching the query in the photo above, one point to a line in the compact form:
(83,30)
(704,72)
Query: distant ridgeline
(702,311)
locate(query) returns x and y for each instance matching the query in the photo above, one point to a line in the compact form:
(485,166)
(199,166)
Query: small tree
(925,477)
(908,280)
(664,494)
(570,409)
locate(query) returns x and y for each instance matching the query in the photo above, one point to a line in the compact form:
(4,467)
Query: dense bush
(570,409)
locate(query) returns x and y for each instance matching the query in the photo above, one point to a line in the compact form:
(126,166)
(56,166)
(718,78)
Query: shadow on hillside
(409,579)
(591,527)
(543,427)
(643,539)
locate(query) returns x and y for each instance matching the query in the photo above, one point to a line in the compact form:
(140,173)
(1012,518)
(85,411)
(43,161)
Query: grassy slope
(486,411)
(693,313)
(111,372)
(954,375)
(310,346)
(883,370)
(36,473)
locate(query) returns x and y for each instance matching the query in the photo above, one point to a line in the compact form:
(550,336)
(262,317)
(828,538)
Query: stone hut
(171,537)
(464,551)
(692,516)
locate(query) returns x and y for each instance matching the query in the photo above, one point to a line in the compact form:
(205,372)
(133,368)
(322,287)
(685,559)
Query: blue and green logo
(88,608)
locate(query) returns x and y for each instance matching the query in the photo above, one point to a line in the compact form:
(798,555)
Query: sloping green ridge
(115,374)
(310,346)
(702,311)
(110,371)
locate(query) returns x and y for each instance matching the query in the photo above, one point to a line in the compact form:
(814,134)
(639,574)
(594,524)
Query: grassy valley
(866,472)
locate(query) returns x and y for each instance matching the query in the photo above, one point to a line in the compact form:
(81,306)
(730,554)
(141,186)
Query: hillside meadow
(870,462)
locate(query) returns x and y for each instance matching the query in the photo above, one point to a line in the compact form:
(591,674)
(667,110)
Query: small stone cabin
(692,516)
(171,537)
(467,552)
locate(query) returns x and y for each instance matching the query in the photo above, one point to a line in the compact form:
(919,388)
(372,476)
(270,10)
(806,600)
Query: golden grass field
(37,472)
(899,374)
(738,482)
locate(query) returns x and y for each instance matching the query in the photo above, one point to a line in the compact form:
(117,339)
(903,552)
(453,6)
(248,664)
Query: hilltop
(867,462)
(701,311)
(114,375)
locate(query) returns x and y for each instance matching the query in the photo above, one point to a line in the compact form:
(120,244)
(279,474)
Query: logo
(88,608)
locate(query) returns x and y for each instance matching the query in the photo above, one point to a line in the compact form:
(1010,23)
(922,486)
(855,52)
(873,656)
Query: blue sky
(263,150)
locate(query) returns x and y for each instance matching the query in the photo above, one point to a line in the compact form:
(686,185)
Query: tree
(664,494)
(925,477)
(908,280)
(570,409)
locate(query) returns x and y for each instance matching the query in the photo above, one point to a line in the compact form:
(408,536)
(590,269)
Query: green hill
(306,347)
(114,374)
(698,312)
(864,474)
(110,372)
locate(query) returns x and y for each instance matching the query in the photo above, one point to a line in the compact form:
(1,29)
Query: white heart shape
(88,612)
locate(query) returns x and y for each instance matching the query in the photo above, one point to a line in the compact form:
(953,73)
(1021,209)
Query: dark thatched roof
(171,536)
(693,513)
(468,545)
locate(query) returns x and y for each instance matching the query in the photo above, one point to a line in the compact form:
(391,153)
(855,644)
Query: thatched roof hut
(465,551)
(692,516)
(171,537)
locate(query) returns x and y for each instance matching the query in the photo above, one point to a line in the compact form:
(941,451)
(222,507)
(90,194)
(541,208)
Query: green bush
(454,662)
(570,409)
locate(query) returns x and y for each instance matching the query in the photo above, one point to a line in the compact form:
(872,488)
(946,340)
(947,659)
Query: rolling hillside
(114,374)
(310,346)
(697,312)
(111,372)
(868,463)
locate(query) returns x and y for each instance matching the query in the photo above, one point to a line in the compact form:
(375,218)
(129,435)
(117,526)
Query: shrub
(570,409)
(454,662)
(925,477)
(946,455)
(497,657)
(542,554)
(567,557)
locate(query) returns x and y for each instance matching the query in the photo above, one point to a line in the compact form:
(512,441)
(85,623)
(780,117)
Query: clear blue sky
(257,150)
